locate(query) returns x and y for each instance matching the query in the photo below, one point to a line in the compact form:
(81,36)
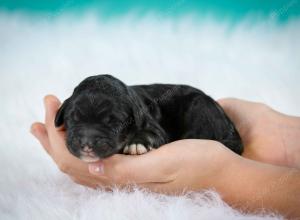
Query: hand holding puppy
(181,165)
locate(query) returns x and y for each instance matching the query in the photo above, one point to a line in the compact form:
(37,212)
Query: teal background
(281,10)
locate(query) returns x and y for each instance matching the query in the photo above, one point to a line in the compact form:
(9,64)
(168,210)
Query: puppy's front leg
(142,142)
(136,149)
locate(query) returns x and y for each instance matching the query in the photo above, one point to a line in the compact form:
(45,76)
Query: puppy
(104,117)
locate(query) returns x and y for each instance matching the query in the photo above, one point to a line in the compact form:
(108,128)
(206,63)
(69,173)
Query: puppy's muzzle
(86,149)
(87,154)
(88,140)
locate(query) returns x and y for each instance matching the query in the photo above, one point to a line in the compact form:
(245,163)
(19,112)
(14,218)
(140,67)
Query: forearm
(252,185)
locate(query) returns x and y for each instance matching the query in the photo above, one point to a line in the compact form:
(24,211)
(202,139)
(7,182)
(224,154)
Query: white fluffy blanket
(40,56)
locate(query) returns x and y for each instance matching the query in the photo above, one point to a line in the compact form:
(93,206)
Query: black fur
(106,115)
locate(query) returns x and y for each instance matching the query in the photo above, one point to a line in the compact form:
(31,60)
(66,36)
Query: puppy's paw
(136,149)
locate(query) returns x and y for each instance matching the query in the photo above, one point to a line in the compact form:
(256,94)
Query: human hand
(268,136)
(53,141)
(175,167)
(179,166)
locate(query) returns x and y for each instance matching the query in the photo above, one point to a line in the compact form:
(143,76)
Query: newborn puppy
(104,117)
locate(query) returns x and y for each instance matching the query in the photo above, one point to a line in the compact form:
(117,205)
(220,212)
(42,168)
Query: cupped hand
(268,136)
(175,167)
(53,141)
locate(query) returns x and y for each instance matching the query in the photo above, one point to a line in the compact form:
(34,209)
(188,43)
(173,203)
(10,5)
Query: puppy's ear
(59,118)
(138,107)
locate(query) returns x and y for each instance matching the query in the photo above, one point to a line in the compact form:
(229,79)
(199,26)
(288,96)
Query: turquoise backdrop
(281,10)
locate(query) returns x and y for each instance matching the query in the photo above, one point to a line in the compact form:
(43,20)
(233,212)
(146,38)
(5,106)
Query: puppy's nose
(86,140)
(86,148)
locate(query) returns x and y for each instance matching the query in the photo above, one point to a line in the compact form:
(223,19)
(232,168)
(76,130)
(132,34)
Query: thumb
(122,169)
(51,106)
(39,131)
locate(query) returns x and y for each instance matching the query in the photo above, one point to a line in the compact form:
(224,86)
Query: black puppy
(104,117)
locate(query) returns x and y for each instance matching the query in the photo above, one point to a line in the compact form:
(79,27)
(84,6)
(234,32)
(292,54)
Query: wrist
(248,184)
(229,167)
(215,173)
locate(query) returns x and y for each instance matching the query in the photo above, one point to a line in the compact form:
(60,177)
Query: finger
(83,182)
(90,180)
(164,188)
(39,131)
(120,169)
(242,112)
(232,106)
(145,168)
(226,101)
(83,173)
(52,104)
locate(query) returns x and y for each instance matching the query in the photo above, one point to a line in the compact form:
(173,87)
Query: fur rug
(40,56)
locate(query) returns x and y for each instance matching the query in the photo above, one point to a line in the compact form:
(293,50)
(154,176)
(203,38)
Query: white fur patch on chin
(89,159)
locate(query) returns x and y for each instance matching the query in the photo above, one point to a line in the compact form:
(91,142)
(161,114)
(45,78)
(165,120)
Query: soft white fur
(51,55)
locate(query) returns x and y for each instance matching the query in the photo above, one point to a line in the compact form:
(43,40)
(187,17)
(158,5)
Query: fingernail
(96,168)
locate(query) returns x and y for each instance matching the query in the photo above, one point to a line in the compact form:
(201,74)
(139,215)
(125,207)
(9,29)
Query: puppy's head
(95,118)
